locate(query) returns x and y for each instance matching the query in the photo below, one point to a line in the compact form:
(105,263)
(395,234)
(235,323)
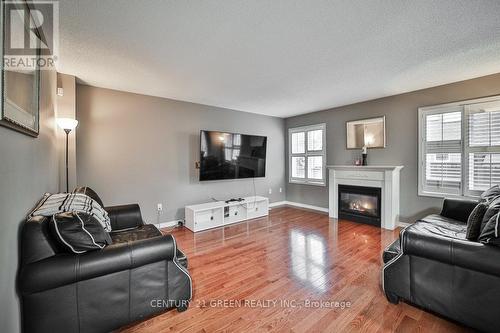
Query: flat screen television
(231,155)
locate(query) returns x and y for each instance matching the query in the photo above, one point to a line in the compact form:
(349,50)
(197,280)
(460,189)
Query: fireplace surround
(384,177)
(360,204)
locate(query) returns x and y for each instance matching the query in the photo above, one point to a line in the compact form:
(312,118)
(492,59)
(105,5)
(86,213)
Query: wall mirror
(368,133)
(19,82)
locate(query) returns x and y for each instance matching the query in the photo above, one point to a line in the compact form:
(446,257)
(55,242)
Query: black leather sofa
(432,265)
(141,274)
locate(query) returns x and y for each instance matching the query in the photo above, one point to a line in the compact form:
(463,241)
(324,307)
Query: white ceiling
(278,57)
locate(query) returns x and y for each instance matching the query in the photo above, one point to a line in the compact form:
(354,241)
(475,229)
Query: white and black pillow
(490,194)
(71,202)
(79,232)
(474,221)
(490,234)
(493,209)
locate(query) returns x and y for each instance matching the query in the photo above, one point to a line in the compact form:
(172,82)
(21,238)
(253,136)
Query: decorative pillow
(493,209)
(71,202)
(490,194)
(491,231)
(475,220)
(90,192)
(38,205)
(79,232)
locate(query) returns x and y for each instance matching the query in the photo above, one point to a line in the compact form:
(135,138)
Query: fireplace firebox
(360,204)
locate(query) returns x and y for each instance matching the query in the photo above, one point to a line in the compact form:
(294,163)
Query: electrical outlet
(270,191)
(281,190)
(159,207)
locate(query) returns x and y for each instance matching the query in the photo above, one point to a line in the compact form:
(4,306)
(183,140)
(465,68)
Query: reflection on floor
(307,254)
(292,271)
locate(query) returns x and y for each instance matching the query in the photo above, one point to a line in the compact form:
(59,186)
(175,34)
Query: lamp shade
(67,123)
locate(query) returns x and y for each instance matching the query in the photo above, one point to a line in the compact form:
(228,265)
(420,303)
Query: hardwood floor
(291,257)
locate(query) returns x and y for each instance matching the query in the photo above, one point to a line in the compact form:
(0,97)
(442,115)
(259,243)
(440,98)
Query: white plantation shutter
(307,154)
(442,151)
(459,148)
(484,171)
(482,146)
(298,142)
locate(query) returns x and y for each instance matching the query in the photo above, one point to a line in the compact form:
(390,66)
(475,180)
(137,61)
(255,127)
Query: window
(307,154)
(459,148)
(232,146)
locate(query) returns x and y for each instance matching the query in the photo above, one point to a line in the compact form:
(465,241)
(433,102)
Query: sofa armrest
(476,256)
(426,241)
(124,216)
(458,209)
(60,270)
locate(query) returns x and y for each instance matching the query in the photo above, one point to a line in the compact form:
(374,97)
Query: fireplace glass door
(360,204)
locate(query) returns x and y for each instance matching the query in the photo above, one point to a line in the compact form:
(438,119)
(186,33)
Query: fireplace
(360,204)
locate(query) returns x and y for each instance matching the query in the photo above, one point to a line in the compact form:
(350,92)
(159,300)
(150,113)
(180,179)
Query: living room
(243,166)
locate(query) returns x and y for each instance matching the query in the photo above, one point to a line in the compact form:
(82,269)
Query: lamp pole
(67,124)
(67,168)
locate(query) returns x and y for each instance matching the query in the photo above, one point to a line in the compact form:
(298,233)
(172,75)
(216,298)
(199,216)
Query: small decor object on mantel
(364,155)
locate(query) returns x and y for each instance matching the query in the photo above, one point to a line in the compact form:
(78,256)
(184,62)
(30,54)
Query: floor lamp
(67,124)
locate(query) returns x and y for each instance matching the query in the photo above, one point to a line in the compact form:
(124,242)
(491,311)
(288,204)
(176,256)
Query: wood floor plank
(290,257)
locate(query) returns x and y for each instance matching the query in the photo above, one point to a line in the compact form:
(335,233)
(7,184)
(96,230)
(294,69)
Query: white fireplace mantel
(385,177)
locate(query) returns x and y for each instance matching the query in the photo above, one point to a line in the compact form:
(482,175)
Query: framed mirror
(19,83)
(369,133)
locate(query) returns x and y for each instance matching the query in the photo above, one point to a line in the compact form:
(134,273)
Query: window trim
(422,111)
(306,154)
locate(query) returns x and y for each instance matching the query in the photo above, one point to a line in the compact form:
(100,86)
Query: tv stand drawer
(208,219)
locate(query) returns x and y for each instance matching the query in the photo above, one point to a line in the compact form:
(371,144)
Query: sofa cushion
(431,236)
(457,209)
(491,231)
(474,221)
(454,228)
(79,232)
(142,232)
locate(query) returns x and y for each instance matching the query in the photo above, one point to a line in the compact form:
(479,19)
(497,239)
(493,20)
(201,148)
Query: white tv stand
(219,213)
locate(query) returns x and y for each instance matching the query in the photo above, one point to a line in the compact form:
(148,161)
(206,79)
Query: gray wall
(28,168)
(401,121)
(136,148)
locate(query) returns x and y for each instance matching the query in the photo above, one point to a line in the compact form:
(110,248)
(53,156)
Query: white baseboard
(299,205)
(403,224)
(167,224)
(277,204)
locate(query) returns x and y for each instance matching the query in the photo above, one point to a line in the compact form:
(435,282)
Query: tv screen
(231,155)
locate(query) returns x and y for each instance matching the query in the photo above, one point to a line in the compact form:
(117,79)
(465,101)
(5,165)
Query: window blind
(459,147)
(443,152)
(307,157)
(482,146)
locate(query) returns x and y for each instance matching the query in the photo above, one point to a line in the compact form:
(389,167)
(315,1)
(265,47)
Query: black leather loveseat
(142,273)
(433,266)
